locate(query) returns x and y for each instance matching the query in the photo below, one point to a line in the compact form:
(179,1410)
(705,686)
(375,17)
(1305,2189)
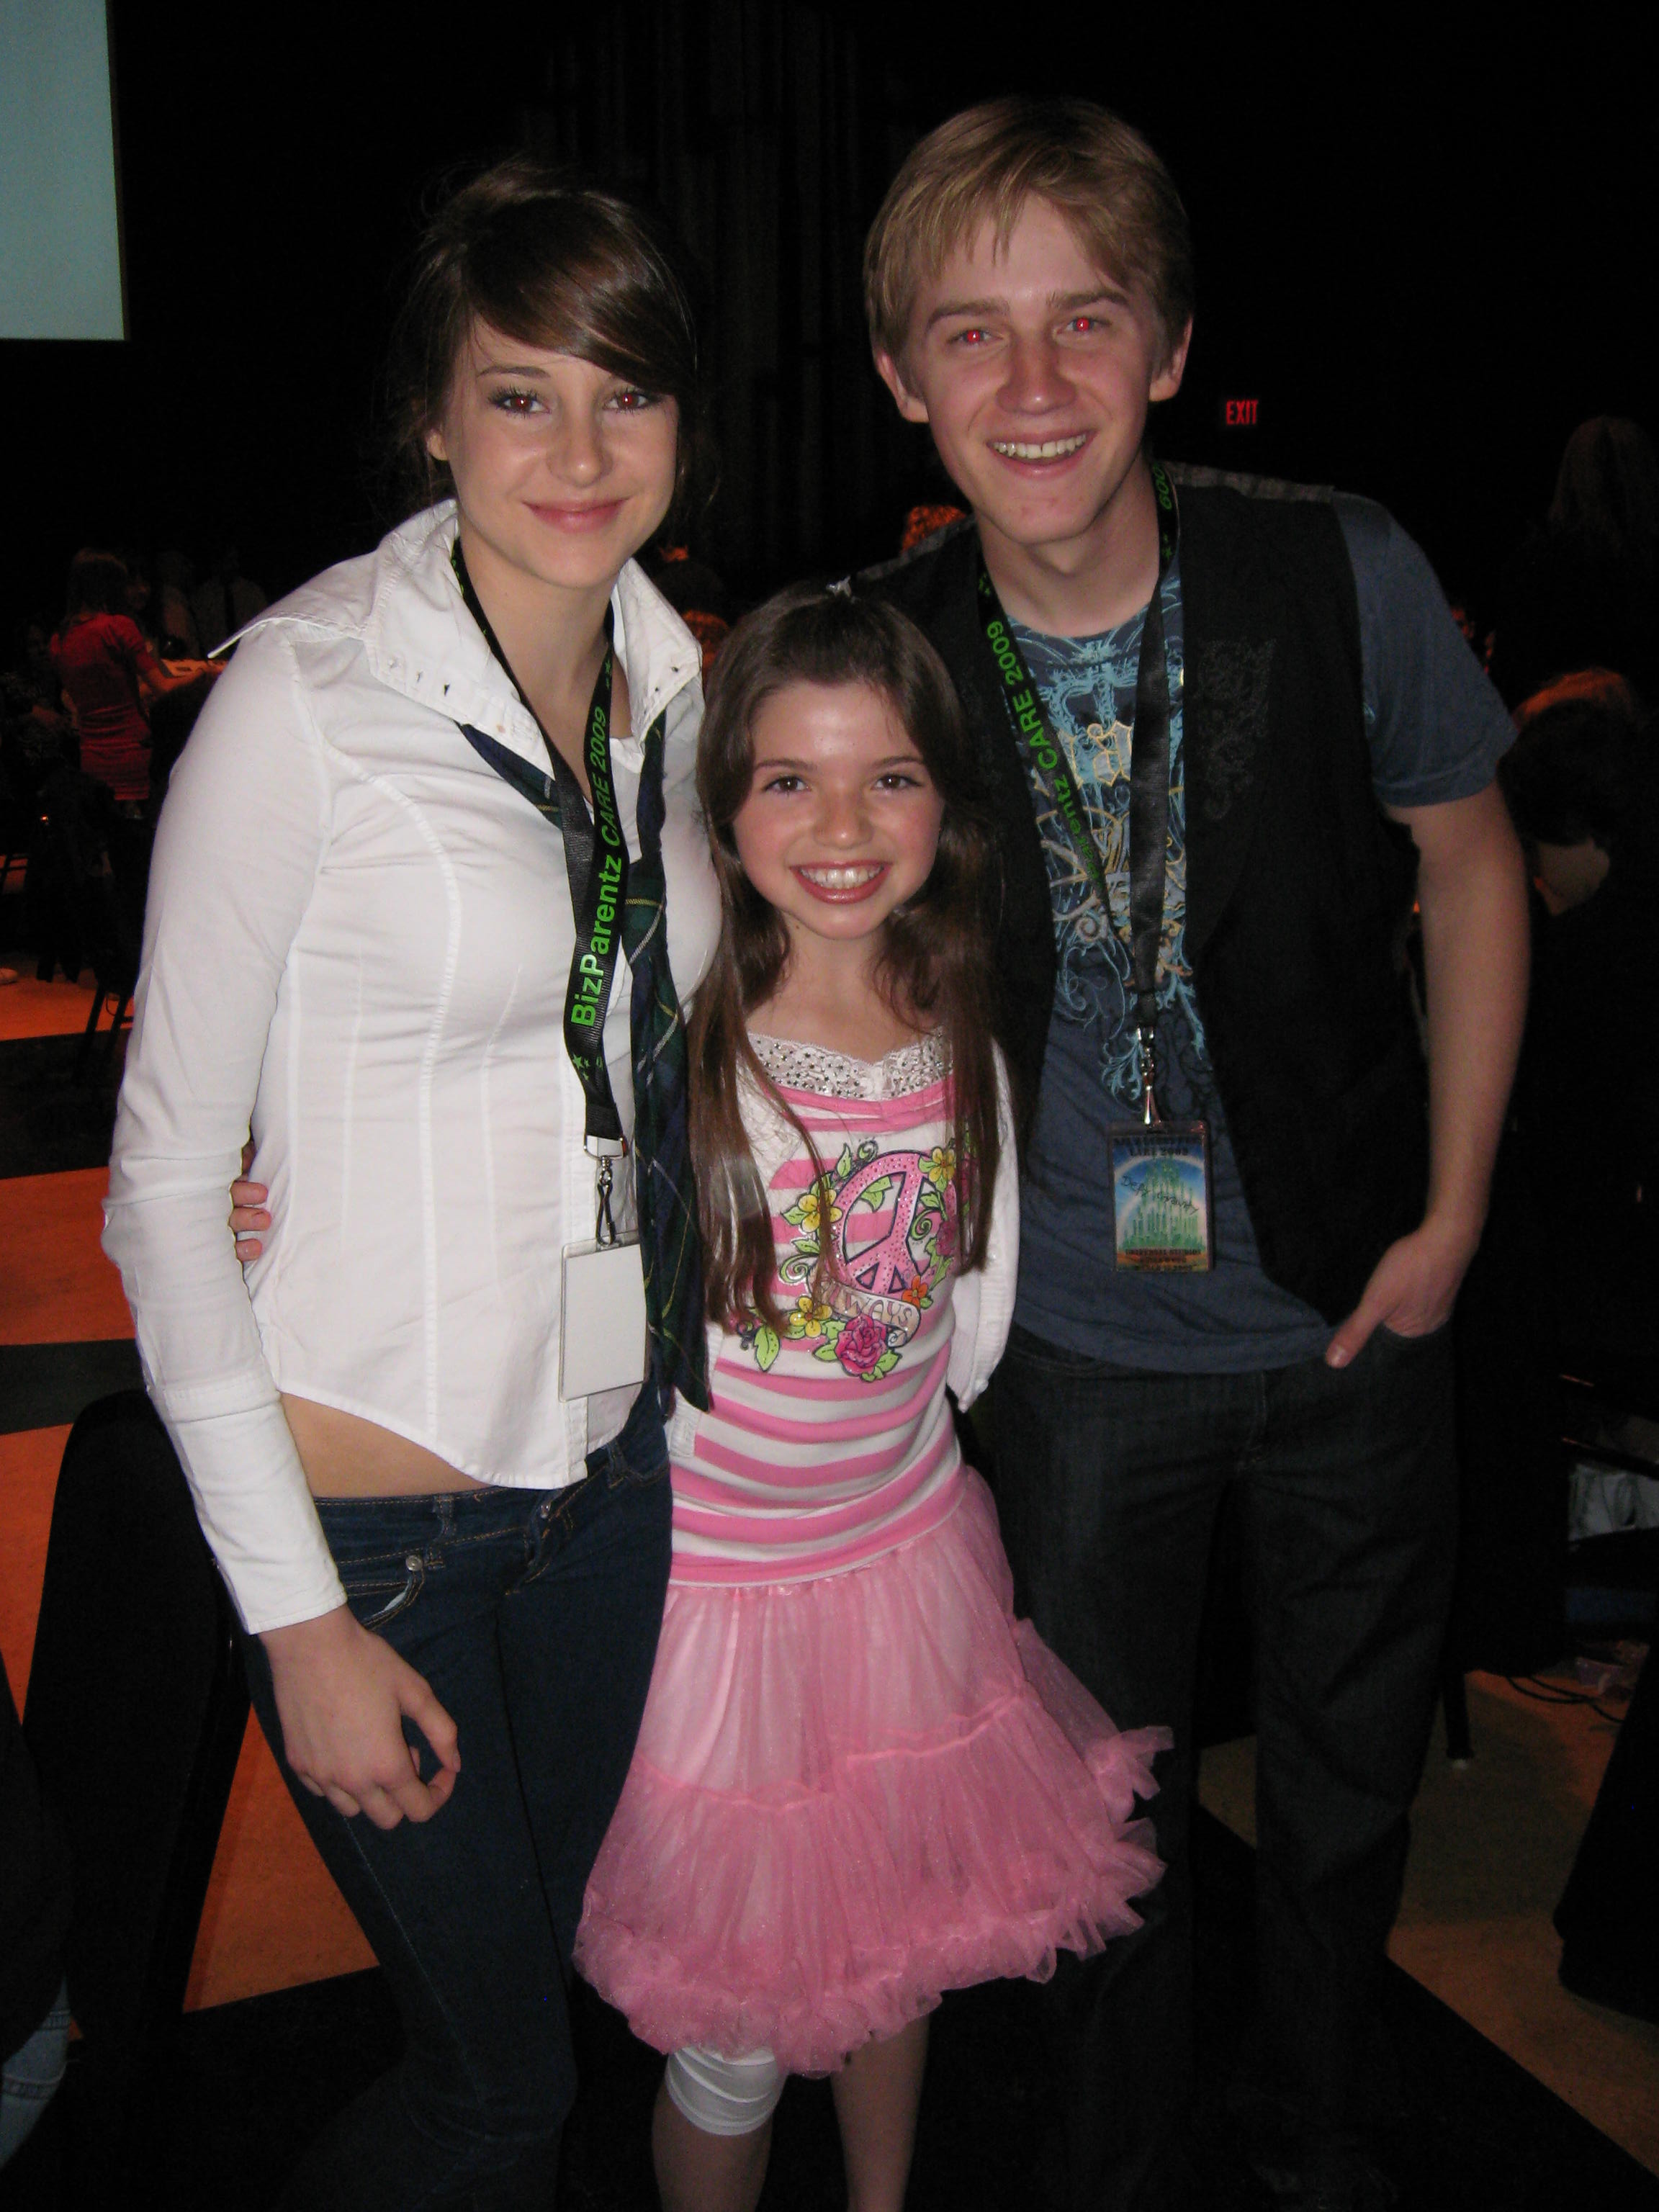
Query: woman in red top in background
(107,670)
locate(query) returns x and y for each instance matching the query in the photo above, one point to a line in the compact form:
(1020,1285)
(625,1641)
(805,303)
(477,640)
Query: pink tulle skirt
(853,1793)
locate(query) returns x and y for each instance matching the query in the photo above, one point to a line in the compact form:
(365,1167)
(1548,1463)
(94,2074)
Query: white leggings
(723,2096)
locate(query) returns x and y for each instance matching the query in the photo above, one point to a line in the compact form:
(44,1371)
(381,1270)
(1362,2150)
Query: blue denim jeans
(29,2076)
(534,1616)
(1109,1480)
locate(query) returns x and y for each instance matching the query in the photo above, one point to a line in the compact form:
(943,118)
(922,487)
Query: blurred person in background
(109,675)
(225,600)
(139,598)
(1581,787)
(37,730)
(1583,592)
(697,595)
(175,618)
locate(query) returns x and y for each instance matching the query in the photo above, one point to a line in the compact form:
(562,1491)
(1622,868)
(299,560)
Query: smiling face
(841,822)
(562,470)
(1034,370)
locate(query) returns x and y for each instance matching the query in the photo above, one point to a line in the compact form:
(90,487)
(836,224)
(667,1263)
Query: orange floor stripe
(273,1916)
(29,1461)
(56,1285)
(31,1009)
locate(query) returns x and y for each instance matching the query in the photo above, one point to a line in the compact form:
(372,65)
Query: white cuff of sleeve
(257,1516)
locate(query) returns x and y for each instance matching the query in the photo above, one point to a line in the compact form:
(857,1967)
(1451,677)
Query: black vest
(1298,888)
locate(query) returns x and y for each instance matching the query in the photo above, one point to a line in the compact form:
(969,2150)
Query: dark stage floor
(254,2079)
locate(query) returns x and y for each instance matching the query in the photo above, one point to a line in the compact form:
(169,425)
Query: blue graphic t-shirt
(1437,729)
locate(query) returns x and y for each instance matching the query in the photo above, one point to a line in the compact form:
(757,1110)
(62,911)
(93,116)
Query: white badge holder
(604,1344)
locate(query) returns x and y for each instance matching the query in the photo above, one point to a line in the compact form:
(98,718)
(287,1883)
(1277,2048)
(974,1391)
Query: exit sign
(1240,414)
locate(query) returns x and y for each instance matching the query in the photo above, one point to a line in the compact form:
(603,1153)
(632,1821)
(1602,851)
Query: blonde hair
(983,165)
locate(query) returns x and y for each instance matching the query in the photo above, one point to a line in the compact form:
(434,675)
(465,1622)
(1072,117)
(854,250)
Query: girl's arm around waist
(984,1301)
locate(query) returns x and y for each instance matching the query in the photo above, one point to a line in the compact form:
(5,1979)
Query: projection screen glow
(60,245)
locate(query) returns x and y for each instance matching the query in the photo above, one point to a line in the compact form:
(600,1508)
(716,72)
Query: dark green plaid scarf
(669,1248)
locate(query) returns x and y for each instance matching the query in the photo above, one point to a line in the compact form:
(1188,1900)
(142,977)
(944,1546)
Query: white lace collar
(813,1067)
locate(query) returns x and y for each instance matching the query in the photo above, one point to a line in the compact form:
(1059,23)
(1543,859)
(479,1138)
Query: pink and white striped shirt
(830,1439)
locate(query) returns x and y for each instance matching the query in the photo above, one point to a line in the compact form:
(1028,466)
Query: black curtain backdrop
(765,132)
(1426,266)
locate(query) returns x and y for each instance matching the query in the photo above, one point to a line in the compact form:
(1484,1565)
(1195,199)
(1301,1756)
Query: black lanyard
(1149,777)
(596,860)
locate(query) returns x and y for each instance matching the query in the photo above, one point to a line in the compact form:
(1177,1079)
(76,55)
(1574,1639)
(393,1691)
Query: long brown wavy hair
(934,966)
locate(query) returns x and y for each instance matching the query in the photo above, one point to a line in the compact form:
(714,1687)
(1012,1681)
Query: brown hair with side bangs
(934,962)
(983,165)
(554,264)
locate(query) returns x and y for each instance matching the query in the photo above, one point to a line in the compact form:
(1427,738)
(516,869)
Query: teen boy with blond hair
(1229,723)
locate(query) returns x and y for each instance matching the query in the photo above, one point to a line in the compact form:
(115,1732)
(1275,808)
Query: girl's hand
(247,1210)
(342,1694)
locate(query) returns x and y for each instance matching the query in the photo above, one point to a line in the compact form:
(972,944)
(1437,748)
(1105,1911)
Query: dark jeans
(1108,1479)
(534,1616)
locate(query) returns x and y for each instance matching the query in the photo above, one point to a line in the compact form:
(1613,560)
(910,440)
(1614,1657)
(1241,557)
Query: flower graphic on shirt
(807,1212)
(807,1317)
(939,1166)
(861,1345)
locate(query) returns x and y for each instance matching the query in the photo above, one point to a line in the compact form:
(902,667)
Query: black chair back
(1609,1914)
(136,1714)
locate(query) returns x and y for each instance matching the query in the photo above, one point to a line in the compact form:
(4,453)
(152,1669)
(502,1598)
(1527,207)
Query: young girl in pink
(860,1781)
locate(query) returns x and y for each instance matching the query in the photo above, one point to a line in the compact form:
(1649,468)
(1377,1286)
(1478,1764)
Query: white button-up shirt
(361,933)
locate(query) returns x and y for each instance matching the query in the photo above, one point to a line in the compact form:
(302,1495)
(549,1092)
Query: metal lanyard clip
(1148,1037)
(606,1150)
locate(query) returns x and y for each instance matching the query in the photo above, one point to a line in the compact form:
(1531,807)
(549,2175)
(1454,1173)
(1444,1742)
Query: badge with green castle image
(1160,1196)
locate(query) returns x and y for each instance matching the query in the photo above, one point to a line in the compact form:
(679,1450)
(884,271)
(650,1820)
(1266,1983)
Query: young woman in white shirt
(449,1555)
